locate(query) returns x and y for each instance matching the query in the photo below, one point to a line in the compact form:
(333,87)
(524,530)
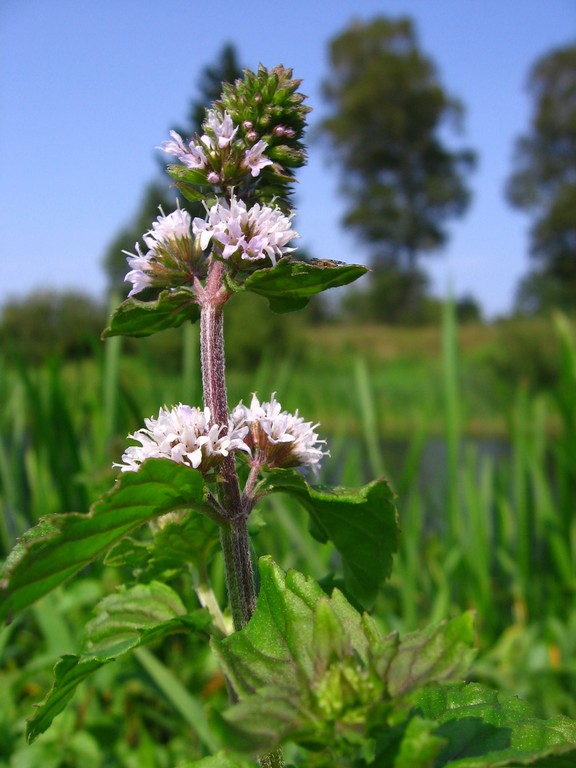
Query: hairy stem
(239,573)
(234,532)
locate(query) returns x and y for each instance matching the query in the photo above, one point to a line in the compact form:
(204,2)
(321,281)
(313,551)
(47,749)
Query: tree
(543,182)
(50,323)
(226,69)
(387,107)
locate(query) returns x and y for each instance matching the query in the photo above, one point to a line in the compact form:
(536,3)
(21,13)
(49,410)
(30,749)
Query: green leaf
(310,668)
(67,543)
(440,650)
(125,620)
(68,674)
(412,744)
(191,183)
(143,318)
(289,284)
(123,615)
(360,522)
(191,540)
(178,544)
(219,760)
(484,728)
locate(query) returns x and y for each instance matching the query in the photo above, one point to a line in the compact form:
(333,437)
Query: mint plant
(309,671)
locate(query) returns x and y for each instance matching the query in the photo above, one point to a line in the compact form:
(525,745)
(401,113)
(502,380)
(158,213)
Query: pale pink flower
(277,438)
(190,153)
(186,435)
(255,159)
(171,252)
(221,127)
(249,234)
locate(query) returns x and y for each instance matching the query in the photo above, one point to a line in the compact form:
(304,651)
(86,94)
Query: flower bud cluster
(220,157)
(174,257)
(268,105)
(187,435)
(249,140)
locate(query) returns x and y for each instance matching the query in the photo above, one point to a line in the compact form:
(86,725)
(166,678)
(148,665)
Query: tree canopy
(543,181)
(387,107)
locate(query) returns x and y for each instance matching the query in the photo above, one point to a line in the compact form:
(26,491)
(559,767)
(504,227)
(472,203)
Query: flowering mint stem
(234,531)
(239,573)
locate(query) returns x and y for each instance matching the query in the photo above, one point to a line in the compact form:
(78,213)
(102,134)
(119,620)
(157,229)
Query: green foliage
(433,576)
(321,672)
(483,729)
(393,295)
(542,181)
(303,667)
(387,107)
(124,621)
(324,676)
(288,286)
(254,334)
(142,318)
(49,323)
(62,545)
(361,522)
(526,353)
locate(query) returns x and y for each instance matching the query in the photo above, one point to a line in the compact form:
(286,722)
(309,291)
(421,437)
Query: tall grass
(499,537)
(495,532)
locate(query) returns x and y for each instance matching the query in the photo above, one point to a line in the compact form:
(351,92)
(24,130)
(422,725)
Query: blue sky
(88,88)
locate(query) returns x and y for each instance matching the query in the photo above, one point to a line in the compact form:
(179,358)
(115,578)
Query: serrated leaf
(125,620)
(124,614)
(484,728)
(289,284)
(143,318)
(310,668)
(360,522)
(70,541)
(441,650)
(68,674)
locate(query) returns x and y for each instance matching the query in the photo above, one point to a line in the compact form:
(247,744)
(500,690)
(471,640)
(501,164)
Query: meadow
(475,428)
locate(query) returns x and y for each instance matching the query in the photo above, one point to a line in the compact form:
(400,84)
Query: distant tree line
(543,183)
